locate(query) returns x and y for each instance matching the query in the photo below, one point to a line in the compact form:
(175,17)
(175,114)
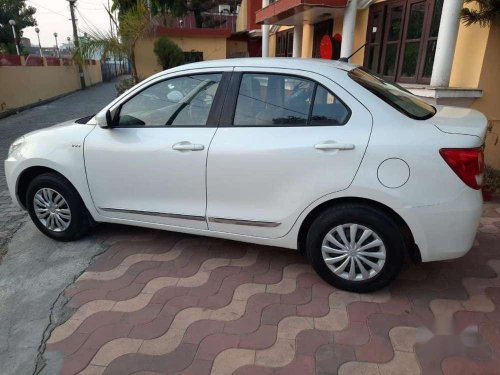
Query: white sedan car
(319,156)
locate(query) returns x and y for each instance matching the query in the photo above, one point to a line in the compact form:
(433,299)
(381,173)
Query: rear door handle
(331,145)
(188,146)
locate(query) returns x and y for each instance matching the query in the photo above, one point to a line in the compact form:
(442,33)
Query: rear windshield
(393,94)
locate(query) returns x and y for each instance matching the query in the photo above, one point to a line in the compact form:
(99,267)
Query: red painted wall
(252,7)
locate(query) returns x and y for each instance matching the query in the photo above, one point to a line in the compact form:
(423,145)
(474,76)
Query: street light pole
(76,41)
(57,46)
(39,44)
(13,23)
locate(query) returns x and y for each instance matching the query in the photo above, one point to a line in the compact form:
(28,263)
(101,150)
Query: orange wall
(489,104)
(147,64)
(26,85)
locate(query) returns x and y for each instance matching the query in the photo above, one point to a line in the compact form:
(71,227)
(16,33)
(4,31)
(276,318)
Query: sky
(54,16)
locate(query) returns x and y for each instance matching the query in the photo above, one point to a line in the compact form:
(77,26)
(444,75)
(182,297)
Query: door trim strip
(254,223)
(152,213)
(220,220)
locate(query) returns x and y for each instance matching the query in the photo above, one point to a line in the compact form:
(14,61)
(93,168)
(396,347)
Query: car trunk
(458,120)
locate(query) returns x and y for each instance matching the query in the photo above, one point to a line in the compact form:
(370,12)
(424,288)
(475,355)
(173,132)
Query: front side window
(394,95)
(181,101)
(279,100)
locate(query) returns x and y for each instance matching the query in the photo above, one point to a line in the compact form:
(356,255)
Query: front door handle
(331,145)
(188,146)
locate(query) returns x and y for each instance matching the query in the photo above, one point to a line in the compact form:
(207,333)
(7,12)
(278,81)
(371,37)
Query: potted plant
(491,182)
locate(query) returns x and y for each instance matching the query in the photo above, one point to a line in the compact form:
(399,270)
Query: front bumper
(446,230)
(11,178)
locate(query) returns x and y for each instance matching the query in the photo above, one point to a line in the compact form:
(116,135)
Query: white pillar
(297,40)
(265,34)
(348,28)
(446,42)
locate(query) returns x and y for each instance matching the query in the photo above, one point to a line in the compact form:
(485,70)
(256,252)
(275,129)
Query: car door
(150,165)
(286,138)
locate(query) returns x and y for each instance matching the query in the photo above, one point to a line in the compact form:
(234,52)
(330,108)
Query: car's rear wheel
(56,207)
(356,247)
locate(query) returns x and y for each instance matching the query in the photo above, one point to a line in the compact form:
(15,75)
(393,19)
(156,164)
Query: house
(213,35)
(420,44)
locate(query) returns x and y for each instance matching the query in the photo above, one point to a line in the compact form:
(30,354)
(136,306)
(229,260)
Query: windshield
(394,95)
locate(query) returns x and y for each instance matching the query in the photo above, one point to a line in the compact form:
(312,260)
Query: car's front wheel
(356,247)
(56,207)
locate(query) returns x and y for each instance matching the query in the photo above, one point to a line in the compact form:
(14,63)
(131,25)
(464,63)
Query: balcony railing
(205,20)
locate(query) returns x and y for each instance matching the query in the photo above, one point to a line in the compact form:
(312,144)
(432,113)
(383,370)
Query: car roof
(268,62)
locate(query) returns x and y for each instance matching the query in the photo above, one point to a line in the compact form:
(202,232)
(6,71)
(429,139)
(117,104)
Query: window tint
(328,109)
(183,101)
(271,99)
(394,95)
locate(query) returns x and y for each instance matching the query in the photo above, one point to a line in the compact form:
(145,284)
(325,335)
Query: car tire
(359,219)
(70,219)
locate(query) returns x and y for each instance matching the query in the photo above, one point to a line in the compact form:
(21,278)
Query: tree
(487,13)
(178,8)
(168,53)
(175,8)
(18,11)
(134,24)
(122,6)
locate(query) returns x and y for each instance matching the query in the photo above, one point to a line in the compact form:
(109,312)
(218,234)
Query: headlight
(16,145)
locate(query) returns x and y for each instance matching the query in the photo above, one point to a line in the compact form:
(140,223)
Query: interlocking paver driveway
(159,302)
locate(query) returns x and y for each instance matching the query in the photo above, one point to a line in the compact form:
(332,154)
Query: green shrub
(168,53)
(491,178)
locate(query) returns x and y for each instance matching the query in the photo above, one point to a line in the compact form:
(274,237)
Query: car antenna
(346,59)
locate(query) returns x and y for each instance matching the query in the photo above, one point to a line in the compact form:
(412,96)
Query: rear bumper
(447,230)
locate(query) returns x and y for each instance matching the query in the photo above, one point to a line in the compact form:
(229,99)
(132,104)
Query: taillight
(467,163)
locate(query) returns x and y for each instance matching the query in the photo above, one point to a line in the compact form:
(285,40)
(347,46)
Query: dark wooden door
(412,46)
(284,43)
(401,39)
(392,39)
(321,29)
(430,41)
(374,35)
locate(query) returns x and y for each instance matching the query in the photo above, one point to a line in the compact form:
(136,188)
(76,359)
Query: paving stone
(359,311)
(355,335)
(262,338)
(331,356)
(212,345)
(308,341)
(300,365)
(274,313)
(377,350)
(253,370)
(200,329)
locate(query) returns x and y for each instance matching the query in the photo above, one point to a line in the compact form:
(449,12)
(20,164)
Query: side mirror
(104,119)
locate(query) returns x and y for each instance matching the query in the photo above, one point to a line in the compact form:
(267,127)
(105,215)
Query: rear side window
(393,94)
(280,100)
(328,109)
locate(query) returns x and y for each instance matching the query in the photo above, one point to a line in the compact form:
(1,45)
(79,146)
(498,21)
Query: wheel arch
(28,175)
(413,250)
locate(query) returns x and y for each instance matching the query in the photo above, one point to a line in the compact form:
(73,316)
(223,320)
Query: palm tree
(488,13)
(134,24)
